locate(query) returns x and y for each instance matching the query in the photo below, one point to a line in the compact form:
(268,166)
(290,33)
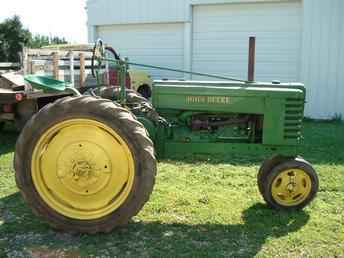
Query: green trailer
(87,163)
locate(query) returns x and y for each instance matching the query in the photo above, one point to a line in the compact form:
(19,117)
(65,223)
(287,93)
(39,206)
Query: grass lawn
(204,208)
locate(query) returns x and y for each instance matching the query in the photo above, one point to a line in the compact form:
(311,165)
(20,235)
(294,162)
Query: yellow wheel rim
(82,169)
(291,187)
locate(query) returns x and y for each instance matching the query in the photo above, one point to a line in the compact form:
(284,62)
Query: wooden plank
(71,47)
(56,66)
(65,72)
(61,63)
(82,70)
(9,65)
(71,68)
(25,61)
(29,65)
(48,52)
(62,57)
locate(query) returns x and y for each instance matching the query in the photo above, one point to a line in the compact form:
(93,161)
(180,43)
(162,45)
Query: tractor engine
(220,127)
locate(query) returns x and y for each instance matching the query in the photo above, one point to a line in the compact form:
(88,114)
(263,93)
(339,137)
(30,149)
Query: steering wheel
(98,53)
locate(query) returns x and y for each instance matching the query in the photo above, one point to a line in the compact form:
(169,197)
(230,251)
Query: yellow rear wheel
(85,165)
(291,184)
(91,169)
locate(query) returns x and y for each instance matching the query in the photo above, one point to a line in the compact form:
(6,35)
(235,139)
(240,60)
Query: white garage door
(221,32)
(157,44)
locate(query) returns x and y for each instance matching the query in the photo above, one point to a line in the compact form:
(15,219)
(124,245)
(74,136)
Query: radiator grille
(294,109)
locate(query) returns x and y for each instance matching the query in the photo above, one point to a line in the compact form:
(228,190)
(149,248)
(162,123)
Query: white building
(297,40)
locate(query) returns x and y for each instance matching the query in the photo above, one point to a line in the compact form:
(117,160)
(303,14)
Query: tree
(12,39)
(38,41)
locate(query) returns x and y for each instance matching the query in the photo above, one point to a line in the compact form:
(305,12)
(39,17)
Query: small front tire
(266,168)
(290,185)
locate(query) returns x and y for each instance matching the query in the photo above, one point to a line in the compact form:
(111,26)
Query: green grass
(199,208)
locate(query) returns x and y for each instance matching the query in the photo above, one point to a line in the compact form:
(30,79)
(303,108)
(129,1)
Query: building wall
(323,57)
(321,61)
(105,12)
(154,43)
(221,33)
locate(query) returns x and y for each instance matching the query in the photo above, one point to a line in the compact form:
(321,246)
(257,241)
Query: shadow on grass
(22,231)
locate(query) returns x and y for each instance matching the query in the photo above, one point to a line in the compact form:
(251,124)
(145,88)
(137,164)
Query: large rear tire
(24,111)
(85,165)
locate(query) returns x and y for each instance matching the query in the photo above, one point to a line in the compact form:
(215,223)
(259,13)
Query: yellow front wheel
(85,165)
(291,184)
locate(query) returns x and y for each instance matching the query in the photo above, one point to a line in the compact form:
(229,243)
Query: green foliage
(38,41)
(13,37)
(337,118)
(199,208)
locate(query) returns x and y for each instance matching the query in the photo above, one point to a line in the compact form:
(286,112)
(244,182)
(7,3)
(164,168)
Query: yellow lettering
(207,100)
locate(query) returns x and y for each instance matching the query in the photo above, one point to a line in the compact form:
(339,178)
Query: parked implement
(70,63)
(88,163)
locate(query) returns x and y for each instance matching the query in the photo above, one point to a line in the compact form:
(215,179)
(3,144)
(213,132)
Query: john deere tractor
(87,163)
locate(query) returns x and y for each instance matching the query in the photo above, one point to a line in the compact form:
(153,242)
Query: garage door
(221,32)
(157,44)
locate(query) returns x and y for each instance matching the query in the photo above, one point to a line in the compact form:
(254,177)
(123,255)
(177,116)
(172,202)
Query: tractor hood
(223,96)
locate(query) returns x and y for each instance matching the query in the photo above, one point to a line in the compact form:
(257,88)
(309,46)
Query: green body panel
(280,108)
(149,125)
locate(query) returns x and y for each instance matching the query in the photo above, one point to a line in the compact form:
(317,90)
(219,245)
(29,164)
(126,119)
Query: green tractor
(87,163)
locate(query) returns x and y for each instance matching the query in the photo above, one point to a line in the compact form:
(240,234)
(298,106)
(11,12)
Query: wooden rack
(73,66)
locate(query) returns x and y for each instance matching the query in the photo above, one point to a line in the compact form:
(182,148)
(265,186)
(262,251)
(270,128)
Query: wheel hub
(81,169)
(291,187)
(84,168)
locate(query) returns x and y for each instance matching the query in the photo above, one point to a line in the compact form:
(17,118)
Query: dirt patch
(48,253)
